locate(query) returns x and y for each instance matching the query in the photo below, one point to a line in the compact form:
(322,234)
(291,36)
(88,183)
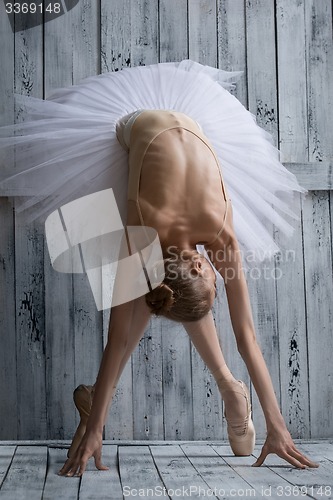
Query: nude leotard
(137,133)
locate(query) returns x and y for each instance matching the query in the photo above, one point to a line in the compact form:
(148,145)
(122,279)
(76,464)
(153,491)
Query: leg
(83,395)
(235,394)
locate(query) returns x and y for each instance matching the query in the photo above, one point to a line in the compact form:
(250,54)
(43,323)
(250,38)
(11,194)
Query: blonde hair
(182,296)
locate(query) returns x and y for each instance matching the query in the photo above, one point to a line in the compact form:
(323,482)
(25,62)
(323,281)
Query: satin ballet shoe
(241,433)
(82,396)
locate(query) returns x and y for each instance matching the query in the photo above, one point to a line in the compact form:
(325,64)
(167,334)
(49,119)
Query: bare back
(175,184)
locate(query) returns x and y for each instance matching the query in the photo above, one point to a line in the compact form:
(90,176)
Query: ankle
(226,385)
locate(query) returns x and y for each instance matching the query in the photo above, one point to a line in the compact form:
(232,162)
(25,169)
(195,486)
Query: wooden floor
(28,470)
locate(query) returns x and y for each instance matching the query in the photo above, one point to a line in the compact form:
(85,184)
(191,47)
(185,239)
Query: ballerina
(205,221)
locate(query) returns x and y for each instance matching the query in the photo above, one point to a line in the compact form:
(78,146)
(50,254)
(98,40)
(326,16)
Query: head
(188,289)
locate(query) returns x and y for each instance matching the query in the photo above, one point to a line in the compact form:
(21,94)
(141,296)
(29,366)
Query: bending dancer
(176,187)
(205,177)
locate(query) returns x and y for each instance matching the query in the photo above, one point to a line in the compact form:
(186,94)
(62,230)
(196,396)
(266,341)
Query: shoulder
(225,251)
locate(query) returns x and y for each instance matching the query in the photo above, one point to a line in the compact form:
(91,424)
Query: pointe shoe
(82,396)
(242,433)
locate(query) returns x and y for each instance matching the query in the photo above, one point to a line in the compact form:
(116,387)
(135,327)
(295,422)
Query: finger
(82,469)
(303,459)
(293,461)
(83,464)
(260,460)
(98,462)
(66,467)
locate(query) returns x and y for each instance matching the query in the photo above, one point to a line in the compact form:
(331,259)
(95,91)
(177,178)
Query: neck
(177,245)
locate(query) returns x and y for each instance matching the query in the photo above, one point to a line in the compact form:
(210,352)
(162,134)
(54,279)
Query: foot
(237,412)
(83,396)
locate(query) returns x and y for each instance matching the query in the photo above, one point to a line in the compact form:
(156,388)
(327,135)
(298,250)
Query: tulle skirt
(67,147)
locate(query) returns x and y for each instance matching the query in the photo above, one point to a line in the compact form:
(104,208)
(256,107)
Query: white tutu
(67,146)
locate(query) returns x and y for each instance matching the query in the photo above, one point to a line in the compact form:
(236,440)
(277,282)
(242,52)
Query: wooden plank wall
(52,337)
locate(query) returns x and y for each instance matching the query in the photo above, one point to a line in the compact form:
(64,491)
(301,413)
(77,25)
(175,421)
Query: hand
(280,442)
(90,446)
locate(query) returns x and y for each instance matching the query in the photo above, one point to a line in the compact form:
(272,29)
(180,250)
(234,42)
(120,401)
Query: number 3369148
(32,8)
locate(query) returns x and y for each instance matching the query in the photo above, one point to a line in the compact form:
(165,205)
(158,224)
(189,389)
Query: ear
(196,267)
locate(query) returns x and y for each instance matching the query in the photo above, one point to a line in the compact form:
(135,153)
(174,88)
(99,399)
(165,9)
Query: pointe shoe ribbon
(241,433)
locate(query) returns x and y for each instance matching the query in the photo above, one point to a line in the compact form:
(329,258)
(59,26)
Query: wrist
(276,425)
(95,427)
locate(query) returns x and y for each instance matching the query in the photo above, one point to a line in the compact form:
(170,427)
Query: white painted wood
(173,30)
(177,472)
(207,410)
(60,373)
(261,481)
(292,333)
(202,24)
(26,474)
(96,484)
(319,61)
(8,426)
(313,175)
(231,42)
(148,384)
(309,481)
(115,35)
(262,102)
(319,303)
(213,468)
(231,46)
(290,25)
(146,372)
(261,64)
(116,54)
(60,352)
(29,261)
(177,384)
(207,402)
(143,32)
(317,228)
(55,485)
(197,468)
(6,456)
(138,472)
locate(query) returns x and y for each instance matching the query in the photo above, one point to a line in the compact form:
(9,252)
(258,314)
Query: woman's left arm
(230,267)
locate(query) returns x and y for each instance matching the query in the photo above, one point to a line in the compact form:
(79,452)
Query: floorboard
(162,469)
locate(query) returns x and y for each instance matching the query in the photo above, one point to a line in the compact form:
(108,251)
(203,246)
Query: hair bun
(160,300)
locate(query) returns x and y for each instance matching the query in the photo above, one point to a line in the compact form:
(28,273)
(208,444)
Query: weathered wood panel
(202,27)
(29,266)
(231,42)
(173,33)
(74,342)
(115,55)
(231,38)
(166,391)
(199,470)
(262,102)
(293,146)
(8,398)
(317,229)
